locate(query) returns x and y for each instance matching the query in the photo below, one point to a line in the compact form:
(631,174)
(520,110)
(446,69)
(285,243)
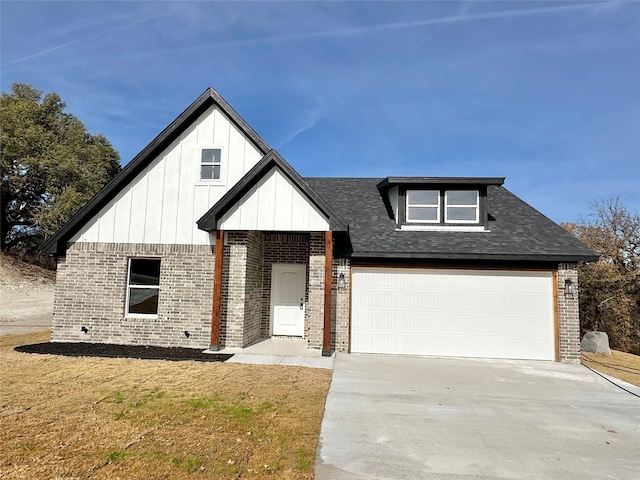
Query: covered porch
(274,265)
(272,284)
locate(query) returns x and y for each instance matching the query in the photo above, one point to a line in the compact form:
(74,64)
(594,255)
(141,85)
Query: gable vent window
(143,286)
(210,164)
(461,206)
(423,206)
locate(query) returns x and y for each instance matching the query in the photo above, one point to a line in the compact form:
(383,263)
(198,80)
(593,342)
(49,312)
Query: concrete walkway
(430,418)
(280,351)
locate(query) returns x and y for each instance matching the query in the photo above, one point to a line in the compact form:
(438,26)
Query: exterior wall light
(342,283)
(569,288)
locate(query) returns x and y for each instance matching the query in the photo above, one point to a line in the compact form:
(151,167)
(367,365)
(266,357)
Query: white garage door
(463,313)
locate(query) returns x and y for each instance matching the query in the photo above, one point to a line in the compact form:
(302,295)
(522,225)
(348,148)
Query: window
(461,206)
(143,286)
(423,206)
(210,164)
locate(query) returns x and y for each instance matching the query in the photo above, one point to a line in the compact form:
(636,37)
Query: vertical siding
(162,204)
(274,204)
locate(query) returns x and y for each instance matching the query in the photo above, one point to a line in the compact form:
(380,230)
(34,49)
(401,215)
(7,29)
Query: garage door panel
(492,314)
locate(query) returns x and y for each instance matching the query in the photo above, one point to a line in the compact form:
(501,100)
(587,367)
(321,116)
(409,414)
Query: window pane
(462,197)
(206,172)
(461,213)
(423,197)
(422,214)
(216,172)
(210,155)
(143,300)
(144,271)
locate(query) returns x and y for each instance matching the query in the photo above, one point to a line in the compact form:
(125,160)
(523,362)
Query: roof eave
(392,181)
(479,256)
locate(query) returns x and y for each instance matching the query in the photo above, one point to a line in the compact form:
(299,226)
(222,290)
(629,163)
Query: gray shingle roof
(517,230)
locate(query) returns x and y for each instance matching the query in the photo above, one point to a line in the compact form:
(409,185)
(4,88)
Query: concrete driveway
(429,418)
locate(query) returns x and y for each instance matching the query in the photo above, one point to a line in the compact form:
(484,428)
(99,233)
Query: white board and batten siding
(461,313)
(163,203)
(274,204)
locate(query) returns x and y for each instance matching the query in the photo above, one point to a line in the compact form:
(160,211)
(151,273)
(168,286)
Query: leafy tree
(50,166)
(610,288)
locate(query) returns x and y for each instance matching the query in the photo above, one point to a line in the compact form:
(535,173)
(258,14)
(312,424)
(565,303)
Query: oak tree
(50,165)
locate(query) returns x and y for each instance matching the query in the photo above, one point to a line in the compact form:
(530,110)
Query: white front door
(287,299)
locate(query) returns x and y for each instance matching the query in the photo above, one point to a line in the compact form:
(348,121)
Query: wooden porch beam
(328,280)
(217,292)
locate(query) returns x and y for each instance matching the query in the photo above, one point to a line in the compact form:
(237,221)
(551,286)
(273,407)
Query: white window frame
(447,206)
(406,201)
(200,164)
(129,287)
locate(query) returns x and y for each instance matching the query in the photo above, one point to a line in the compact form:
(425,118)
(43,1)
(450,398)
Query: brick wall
(340,306)
(91,292)
(281,248)
(314,312)
(234,289)
(253,288)
(569,320)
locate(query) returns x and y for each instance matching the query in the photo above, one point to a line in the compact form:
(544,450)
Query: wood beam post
(217,292)
(328,281)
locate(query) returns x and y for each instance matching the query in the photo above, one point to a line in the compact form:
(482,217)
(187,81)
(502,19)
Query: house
(209,238)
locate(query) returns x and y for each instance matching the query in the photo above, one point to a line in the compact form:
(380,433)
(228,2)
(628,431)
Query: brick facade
(340,306)
(568,314)
(314,312)
(91,292)
(92,283)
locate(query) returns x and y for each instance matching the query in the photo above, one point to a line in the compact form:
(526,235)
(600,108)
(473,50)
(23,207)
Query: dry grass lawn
(71,418)
(624,366)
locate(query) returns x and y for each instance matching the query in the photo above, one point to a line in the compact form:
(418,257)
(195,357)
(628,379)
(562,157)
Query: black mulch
(123,351)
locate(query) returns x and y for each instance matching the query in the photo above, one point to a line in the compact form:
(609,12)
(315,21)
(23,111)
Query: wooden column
(217,292)
(328,280)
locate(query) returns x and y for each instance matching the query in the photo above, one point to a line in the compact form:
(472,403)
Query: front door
(287,299)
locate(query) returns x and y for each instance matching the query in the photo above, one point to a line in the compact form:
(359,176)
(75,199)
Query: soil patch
(122,351)
(624,366)
(26,295)
(108,418)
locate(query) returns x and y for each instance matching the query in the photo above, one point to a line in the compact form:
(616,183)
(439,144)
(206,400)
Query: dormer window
(423,206)
(461,206)
(438,203)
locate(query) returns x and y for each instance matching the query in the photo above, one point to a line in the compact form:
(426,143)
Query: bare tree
(610,288)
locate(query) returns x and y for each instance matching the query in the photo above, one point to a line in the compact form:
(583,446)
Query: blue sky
(544,93)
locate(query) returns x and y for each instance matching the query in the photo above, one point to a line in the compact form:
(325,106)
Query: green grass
(305,460)
(118,455)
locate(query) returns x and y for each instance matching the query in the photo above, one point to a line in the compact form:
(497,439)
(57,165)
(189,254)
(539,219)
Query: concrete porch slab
(280,351)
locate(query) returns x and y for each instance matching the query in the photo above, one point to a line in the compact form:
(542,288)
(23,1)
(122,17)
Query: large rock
(595,342)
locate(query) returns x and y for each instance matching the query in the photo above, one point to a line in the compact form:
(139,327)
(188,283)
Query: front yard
(624,366)
(68,418)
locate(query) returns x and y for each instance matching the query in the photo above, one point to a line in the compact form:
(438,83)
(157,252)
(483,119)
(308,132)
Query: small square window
(143,286)
(210,164)
(423,206)
(461,206)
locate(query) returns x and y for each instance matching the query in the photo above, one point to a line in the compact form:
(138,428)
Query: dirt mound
(26,296)
(15,272)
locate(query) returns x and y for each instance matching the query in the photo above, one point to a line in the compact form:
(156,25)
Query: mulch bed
(123,351)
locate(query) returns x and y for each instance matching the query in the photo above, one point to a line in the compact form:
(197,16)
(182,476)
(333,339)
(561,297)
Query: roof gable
(57,243)
(246,186)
